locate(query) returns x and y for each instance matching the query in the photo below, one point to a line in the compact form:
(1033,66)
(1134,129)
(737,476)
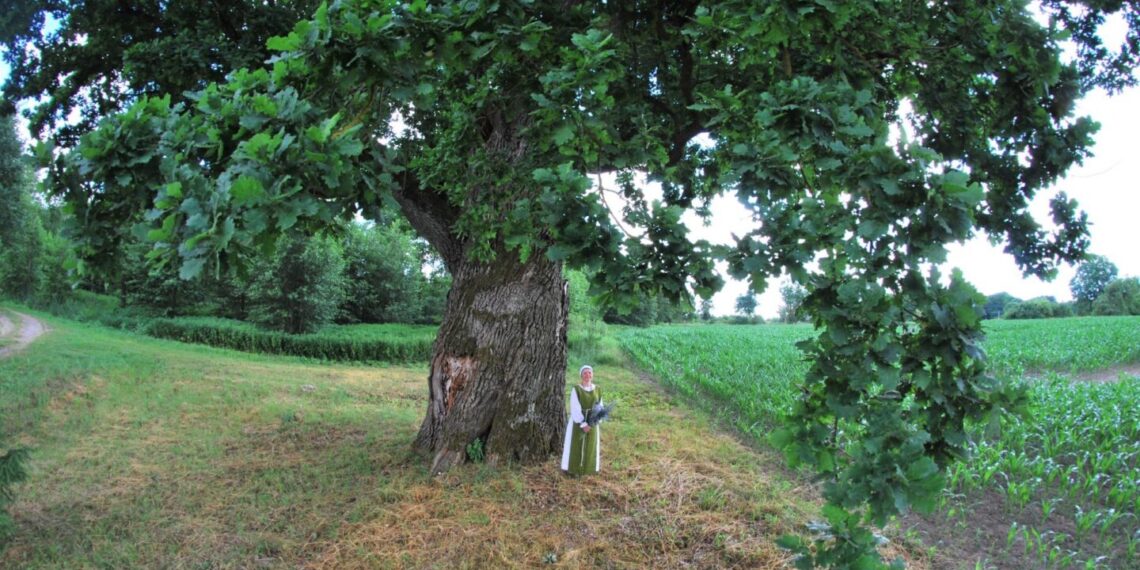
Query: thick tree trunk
(498,365)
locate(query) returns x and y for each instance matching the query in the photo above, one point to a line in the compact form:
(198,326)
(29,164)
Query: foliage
(56,279)
(475,451)
(1121,297)
(746,305)
(1093,275)
(1036,308)
(113,52)
(384,276)
(157,288)
(584,311)
(998,303)
(506,110)
(301,288)
(793,296)
(20,230)
(364,343)
(650,308)
(706,309)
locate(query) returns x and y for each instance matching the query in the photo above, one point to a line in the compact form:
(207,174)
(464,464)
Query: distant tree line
(1096,290)
(366,273)
(34,257)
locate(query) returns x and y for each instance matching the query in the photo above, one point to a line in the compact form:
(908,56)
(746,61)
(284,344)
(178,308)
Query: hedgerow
(369,343)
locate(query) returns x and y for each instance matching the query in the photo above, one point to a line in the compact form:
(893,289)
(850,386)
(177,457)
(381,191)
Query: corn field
(1067,471)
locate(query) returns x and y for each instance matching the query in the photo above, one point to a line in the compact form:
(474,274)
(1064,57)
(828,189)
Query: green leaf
(191,268)
(284,43)
(563,134)
(246,190)
(791,542)
(559,252)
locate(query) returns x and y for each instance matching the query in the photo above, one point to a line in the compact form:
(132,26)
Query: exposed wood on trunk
(498,369)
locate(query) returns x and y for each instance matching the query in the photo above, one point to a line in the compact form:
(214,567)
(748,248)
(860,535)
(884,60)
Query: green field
(149,453)
(1065,477)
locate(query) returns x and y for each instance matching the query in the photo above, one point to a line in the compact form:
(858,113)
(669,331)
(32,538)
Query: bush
(997,304)
(301,289)
(1121,297)
(1039,308)
(369,343)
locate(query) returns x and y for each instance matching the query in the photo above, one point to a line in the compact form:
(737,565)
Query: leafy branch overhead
(484,123)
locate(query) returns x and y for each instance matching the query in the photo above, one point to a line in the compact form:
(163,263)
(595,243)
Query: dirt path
(1110,374)
(30,330)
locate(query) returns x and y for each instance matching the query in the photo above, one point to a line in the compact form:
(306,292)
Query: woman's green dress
(581,452)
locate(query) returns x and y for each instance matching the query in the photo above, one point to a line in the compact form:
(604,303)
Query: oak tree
(489,125)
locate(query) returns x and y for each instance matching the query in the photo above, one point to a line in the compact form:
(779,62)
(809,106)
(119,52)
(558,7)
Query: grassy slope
(154,454)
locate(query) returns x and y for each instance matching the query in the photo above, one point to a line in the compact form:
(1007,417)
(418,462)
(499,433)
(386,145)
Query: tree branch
(431,215)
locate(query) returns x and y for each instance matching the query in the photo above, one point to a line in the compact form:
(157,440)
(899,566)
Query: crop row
(379,343)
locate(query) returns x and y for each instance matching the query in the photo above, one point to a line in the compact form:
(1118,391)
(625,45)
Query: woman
(582,449)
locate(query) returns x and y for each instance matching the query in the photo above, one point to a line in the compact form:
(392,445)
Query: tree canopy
(1093,275)
(746,305)
(100,55)
(490,124)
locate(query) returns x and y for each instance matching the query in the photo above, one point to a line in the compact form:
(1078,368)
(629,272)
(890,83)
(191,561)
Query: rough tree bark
(499,361)
(498,365)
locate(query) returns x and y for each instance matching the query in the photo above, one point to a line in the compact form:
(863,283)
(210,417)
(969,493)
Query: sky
(1107,187)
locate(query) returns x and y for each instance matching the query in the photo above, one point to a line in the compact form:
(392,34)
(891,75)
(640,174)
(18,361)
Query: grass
(150,453)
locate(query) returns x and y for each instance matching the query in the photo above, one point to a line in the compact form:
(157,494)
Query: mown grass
(154,454)
(1056,488)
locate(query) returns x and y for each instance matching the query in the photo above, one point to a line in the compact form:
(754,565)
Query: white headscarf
(583,370)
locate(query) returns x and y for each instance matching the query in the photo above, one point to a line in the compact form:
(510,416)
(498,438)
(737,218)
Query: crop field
(1067,346)
(749,372)
(1056,488)
(360,343)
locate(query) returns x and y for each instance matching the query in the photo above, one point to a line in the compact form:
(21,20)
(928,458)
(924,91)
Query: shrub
(370,343)
(301,288)
(997,304)
(1121,297)
(1039,308)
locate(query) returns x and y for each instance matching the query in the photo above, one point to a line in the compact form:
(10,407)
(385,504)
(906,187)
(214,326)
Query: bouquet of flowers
(598,414)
